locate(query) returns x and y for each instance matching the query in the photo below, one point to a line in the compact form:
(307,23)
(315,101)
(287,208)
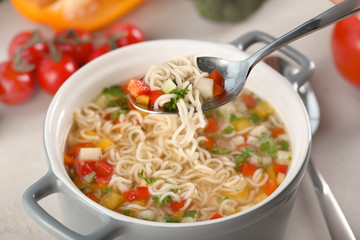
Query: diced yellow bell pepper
(241,194)
(112,200)
(241,124)
(143,100)
(179,214)
(271,172)
(104,143)
(261,197)
(263,110)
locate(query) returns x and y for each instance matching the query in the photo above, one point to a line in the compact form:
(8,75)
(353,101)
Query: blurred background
(336,145)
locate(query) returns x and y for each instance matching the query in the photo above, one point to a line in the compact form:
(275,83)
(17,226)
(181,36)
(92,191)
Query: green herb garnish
(174,190)
(254,118)
(171,219)
(246,152)
(113,103)
(228,129)
(148,180)
(115,115)
(156,199)
(220,199)
(114,91)
(284,145)
(267,145)
(215,149)
(233,117)
(191,214)
(127,212)
(106,190)
(171,105)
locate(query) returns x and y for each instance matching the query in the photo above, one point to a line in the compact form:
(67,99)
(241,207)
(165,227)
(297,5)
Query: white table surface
(336,145)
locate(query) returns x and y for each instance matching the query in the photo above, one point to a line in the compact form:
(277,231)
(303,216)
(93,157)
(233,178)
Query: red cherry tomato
(52,74)
(32,54)
(143,193)
(103,168)
(345,43)
(76,43)
(98,51)
(15,87)
(130,195)
(128,34)
(83,167)
(176,206)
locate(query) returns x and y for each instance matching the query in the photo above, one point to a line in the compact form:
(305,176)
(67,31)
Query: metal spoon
(235,73)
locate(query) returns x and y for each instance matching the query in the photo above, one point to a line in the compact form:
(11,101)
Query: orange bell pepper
(61,14)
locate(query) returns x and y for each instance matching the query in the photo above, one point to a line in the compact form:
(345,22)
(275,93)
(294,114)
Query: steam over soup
(185,167)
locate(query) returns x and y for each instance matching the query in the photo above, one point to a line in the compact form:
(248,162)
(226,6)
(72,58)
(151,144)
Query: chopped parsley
(171,219)
(171,105)
(246,152)
(284,145)
(167,199)
(215,149)
(174,190)
(114,91)
(220,199)
(267,145)
(228,129)
(191,214)
(233,117)
(115,115)
(148,180)
(254,118)
(127,212)
(106,190)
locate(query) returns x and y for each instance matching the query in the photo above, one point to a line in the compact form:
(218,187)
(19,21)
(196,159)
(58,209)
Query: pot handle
(306,66)
(48,185)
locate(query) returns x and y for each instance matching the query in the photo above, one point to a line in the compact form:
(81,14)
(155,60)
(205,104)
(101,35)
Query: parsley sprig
(148,180)
(171,105)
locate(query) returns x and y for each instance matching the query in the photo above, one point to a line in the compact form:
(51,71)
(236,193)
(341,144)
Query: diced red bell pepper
(143,193)
(216,215)
(271,186)
(154,95)
(249,100)
(280,168)
(176,206)
(218,79)
(103,168)
(211,127)
(130,195)
(217,89)
(138,87)
(277,131)
(102,181)
(92,197)
(247,169)
(84,167)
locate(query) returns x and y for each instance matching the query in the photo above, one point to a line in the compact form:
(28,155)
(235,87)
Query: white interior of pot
(128,62)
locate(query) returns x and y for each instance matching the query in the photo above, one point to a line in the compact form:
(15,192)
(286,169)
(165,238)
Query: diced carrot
(217,89)
(270,186)
(209,143)
(247,169)
(154,95)
(249,100)
(143,193)
(74,150)
(218,79)
(211,127)
(175,206)
(68,160)
(280,168)
(216,215)
(277,131)
(138,87)
(117,122)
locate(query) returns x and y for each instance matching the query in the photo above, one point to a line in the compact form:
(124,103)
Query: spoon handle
(332,15)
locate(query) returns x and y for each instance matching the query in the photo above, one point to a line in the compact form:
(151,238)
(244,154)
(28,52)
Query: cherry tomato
(98,51)
(32,54)
(52,74)
(103,168)
(76,43)
(345,43)
(131,34)
(15,87)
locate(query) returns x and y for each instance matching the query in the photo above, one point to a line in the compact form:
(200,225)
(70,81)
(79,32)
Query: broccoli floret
(227,10)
